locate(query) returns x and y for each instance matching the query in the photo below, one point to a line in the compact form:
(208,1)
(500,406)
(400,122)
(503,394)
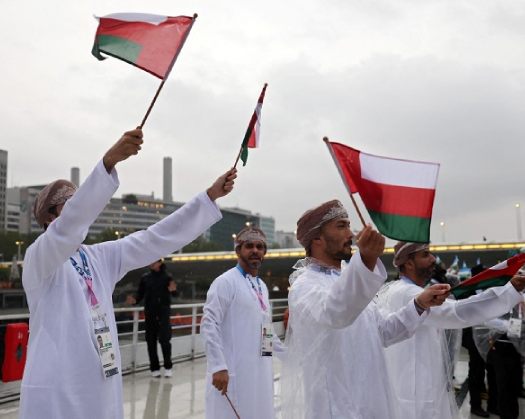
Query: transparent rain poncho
(421,367)
(335,366)
(487,334)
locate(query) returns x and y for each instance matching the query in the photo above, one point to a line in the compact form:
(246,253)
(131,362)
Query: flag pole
(167,73)
(238,157)
(233,407)
(254,116)
(330,149)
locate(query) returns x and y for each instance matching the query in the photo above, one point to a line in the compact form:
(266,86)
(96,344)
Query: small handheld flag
(496,276)
(398,194)
(149,42)
(251,138)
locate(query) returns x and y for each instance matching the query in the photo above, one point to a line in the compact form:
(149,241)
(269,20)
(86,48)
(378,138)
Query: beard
(254,262)
(425,273)
(338,252)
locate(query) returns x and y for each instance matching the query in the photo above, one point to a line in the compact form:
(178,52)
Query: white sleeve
(500,325)
(66,233)
(400,324)
(279,348)
(477,309)
(340,304)
(168,235)
(218,300)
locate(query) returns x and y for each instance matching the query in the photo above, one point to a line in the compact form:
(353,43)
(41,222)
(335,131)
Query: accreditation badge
(514,330)
(266,339)
(106,351)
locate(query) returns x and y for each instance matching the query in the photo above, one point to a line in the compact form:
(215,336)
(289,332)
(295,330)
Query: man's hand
(128,145)
(433,296)
(223,185)
(220,381)
(371,245)
(172,286)
(518,281)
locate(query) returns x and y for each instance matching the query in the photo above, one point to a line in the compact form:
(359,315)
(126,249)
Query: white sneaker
(155,373)
(167,373)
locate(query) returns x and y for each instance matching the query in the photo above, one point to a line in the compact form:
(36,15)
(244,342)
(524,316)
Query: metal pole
(193,330)
(135,340)
(518,221)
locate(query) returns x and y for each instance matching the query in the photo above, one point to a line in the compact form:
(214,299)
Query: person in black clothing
(156,288)
(476,367)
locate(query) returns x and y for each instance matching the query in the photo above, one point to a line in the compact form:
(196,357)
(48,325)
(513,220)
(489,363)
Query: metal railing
(185,329)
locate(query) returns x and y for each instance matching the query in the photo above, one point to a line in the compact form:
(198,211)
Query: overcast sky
(439,81)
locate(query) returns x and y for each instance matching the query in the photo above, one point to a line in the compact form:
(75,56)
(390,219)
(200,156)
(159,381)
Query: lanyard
(85,273)
(258,291)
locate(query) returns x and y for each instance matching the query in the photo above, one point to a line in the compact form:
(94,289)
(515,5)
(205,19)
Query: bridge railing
(186,341)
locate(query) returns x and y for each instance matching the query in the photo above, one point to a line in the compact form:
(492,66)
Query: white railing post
(134,340)
(193,330)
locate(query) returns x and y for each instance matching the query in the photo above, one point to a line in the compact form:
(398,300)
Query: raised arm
(340,304)
(402,324)
(67,230)
(176,230)
(477,309)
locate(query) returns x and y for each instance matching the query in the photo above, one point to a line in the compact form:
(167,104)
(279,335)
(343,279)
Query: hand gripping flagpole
(233,407)
(167,73)
(331,150)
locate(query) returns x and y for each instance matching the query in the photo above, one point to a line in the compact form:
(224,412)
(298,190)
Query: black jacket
(153,288)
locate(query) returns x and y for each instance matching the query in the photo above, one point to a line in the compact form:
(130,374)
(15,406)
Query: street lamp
(234,236)
(19,244)
(247,224)
(117,233)
(442,224)
(518,221)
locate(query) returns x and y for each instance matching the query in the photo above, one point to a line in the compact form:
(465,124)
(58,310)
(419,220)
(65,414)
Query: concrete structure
(13,209)
(267,225)
(167,177)
(286,239)
(3,189)
(75,176)
(27,195)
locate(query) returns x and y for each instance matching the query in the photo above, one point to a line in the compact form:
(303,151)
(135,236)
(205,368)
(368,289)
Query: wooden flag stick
(151,104)
(167,74)
(231,404)
(327,142)
(238,157)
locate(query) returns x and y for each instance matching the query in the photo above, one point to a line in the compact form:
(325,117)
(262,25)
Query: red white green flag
(398,194)
(496,276)
(251,138)
(150,42)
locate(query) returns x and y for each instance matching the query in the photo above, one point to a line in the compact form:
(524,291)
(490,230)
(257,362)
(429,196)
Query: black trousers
(506,362)
(476,369)
(158,328)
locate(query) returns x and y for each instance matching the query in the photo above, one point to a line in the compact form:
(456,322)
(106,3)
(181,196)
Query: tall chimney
(75,176)
(167,190)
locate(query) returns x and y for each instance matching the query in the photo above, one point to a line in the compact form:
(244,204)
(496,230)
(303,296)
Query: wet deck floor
(182,396)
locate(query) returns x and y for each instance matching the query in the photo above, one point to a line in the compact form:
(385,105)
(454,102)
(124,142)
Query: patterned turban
(403,250)
(250,234)
(56,193)
(310,223)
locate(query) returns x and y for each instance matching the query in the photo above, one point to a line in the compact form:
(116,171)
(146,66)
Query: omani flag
(398,194)
(150,42)
(496,276)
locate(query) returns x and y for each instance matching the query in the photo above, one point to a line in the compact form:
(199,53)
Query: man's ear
(410,264)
